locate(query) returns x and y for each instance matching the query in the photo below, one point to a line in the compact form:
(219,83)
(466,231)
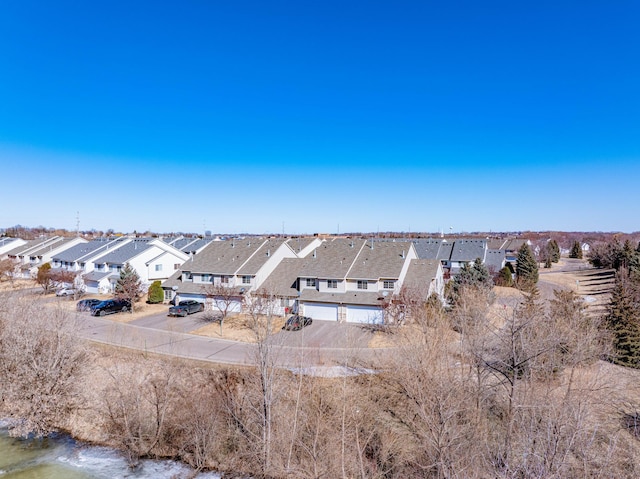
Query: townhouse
(228,271)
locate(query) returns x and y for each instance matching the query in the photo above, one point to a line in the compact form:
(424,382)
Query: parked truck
(186,307)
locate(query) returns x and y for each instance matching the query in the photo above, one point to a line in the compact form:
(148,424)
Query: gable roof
(79,251)
(332,259)
(379,260)
(126,252)
(283,281)
(223,257)
(57,245)
(420,273)
(468,249)
(33,245)
(261,256)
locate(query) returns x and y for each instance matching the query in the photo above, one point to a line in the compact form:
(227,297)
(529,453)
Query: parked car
(110,306)
(186,307)
(86,304)
(68,292)
(296,323)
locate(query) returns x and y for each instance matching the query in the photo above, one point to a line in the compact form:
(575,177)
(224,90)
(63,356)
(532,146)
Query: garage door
(186,296)
(221,304)
(328,312)
(364,314)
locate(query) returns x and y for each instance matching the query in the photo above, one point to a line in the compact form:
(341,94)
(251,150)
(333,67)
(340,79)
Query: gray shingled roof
(332,259)
(379,260)
(98,275)
(298,244)
(51,246)
(223,257)
(78,251)
(349,297)
(468,250)
(124,253)
(420,273)
(444,253)
(427,248)
(495,259)
(283,281)
(32,245)
(262,255)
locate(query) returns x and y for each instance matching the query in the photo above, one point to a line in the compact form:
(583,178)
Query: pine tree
(129,285)
(471,275)
(526,268)
(554,250)
(155,294)
(623,321)
(576,250)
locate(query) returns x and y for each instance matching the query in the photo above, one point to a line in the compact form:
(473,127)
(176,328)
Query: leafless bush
(41,363)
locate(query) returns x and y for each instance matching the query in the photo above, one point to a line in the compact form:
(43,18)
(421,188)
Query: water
(60,457)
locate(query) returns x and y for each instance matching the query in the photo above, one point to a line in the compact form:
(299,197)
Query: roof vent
(314,253)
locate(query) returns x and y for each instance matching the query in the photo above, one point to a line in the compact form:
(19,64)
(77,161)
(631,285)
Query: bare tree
(224,300)
(138,401)
(41,362)
(8,270)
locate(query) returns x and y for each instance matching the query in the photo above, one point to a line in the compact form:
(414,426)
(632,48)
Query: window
(176,266)
(389,284)
(158,267)
(362,284)
(206,278)
(224,279)
(311,282)
(332,283)
(246,280)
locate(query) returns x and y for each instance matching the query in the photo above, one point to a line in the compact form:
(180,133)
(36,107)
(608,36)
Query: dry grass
(17,284)
(235,328)
(141,309)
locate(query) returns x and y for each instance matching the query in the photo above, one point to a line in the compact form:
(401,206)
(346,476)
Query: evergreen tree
(471,275)
(576,250)
(505,277)
(623,321)
(155,293)
(129,285)
(554,251)
(526,268)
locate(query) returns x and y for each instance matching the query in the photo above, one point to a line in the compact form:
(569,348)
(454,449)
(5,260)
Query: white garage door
(364,314)
(328,312)
(221,304)
(186,296)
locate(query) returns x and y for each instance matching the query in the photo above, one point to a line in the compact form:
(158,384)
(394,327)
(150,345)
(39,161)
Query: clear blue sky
(238,116)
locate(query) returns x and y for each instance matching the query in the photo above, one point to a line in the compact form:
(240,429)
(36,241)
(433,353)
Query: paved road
(323,343)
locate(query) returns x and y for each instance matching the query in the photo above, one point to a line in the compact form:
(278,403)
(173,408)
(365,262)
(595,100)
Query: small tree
(526,268)
(7,270)
(505,277)
(224,299)
(129,285)
(576,250)
(471,276)
(43,277)
(155,294)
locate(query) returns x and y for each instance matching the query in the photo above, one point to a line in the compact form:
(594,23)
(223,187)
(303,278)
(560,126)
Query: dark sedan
(110,306)
(86,304)
(296,323)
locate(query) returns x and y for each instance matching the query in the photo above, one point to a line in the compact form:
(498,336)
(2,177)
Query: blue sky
(359,116)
